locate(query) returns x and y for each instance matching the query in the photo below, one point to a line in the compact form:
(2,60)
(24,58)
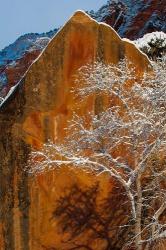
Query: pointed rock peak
(80,16)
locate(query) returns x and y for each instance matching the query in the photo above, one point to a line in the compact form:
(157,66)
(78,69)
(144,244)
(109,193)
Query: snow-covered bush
(153,44)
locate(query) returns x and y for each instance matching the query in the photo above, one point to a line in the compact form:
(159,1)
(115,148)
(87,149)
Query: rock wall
(37,110)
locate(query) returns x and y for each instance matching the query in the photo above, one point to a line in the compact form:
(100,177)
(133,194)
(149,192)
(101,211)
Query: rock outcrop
(38,109)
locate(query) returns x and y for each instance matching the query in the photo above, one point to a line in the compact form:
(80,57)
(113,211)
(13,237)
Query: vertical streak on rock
(16,216)
(6,185)
(100,52)
(13,191)
(23,193)
(14,197)
(121,52)
(98,105)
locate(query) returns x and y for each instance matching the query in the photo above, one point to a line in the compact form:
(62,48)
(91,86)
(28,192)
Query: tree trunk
(138,214)
(147,246)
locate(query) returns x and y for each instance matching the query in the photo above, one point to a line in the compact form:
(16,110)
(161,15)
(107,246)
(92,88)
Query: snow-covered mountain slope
(28,42)
(17,57)
(133,18)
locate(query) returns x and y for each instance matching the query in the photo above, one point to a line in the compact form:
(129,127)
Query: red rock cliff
(37,110)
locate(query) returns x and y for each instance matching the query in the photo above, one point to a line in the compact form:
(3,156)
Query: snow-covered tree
(125,139)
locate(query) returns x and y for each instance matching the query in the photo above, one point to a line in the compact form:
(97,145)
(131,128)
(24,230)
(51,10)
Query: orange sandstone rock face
(38,110)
